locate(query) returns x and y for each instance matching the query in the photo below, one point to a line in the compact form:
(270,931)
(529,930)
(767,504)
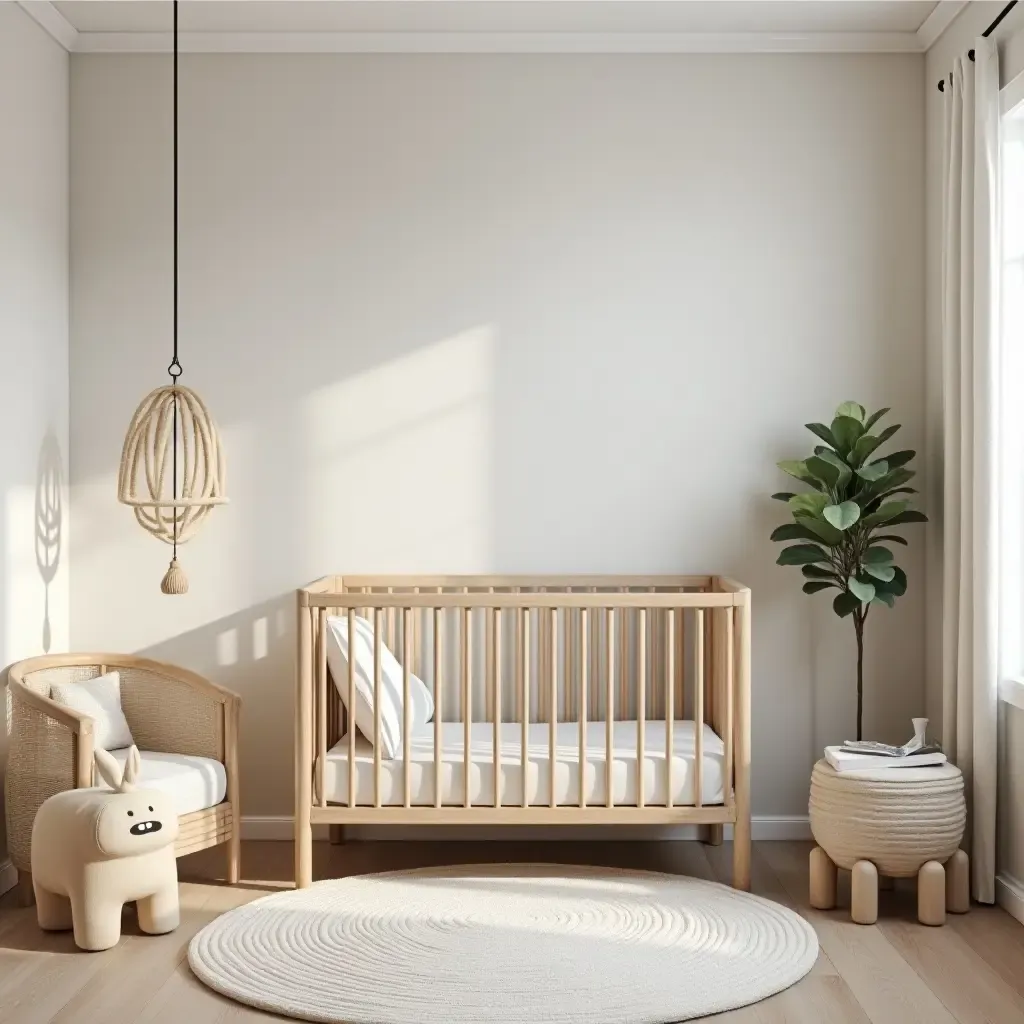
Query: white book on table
(848,761)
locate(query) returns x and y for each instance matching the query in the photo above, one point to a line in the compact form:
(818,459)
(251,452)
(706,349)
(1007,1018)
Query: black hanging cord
(970,53)
(175,368)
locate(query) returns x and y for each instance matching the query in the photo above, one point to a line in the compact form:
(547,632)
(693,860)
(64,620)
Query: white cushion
(100,699)
(421,702)
(192,783)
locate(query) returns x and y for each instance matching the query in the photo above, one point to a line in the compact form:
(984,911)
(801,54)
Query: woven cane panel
(898,822)
(167,714)
(40,762)
(42,680)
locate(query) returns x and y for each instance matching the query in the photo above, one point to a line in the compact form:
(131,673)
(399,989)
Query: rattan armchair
(168,709)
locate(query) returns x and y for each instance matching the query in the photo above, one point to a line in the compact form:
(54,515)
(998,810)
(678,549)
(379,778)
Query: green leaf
(894,478)
(891,537)
(874,418)
(897,459)
(824,531)
(798,468)
(820,430)
(843,516)
(852,409)
(808,504)
(877,556)
(882,597)
(902,518)
(873,471)
(897,586)
(783,495)
(793,531)
(885,573)
(802,554)
(885,514)
(846,430)
(864,592)
(867,443)
(814,588)
(844,604)
(815,572)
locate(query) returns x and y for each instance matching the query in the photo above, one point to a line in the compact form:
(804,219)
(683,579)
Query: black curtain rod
(995,24)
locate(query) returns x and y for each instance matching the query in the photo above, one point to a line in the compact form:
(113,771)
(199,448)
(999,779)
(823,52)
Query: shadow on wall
(49,523)
(252,653)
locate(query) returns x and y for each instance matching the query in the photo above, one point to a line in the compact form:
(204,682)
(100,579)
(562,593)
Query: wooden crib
(559,700)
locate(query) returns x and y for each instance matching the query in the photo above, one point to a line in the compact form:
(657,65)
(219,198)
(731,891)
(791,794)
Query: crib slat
(568,639)
(488,655)
(321,705)
(553,696)
(670,704)
(467,704)
(417,654)
(438,698)
(585,639)
(729,686)
(624,663)
(377,625)
(406,703)
(609,710)
(495,617)
(641,688)
(698,712)
(523,670)
(517,659)
(351,617)
(390,618)
(680,683)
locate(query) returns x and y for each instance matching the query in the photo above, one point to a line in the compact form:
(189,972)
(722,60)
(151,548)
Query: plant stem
(858,626)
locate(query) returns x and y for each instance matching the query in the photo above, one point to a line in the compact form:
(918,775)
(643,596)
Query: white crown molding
(52,21)
(766,827)
(47,15)
(938,21)
(499,42)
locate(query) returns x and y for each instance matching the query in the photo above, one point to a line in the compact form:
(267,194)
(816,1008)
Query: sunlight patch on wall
(400,461)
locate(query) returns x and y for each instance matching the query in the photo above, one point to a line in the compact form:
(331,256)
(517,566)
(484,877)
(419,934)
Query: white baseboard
(1010,896)
(8,876)
(763,827)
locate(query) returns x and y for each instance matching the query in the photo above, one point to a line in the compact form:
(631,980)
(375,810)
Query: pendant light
(172,434)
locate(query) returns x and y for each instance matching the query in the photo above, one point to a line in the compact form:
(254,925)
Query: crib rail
(521,655)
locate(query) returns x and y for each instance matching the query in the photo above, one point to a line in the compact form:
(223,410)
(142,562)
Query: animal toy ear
(132,769)
(109,770)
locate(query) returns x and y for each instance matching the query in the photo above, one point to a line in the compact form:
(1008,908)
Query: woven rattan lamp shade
(172,505)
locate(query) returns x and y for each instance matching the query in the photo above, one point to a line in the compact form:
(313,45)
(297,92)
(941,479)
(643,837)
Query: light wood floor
(896,972)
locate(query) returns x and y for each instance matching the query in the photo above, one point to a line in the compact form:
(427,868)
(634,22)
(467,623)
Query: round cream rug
(505,944)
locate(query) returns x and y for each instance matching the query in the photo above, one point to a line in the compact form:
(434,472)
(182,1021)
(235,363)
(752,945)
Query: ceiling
(500,15)
(553,26)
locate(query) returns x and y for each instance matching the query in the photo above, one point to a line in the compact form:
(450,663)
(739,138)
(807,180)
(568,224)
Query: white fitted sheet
(567,771)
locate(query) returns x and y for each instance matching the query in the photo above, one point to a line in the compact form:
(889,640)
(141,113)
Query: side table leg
(823,880)
(864,892)
(931,893)
(958,883)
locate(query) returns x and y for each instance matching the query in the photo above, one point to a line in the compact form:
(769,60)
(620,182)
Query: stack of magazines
(857,755)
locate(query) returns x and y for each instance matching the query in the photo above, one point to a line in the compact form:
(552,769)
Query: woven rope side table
(894,822)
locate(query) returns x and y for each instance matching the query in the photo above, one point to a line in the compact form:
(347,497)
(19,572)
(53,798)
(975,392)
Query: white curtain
(971,262)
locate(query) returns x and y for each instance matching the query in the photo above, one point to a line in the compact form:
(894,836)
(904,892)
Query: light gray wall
(959,38)
(33,345)
(506,313)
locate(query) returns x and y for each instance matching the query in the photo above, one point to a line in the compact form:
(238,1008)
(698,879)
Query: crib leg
(336,833)
(715,835)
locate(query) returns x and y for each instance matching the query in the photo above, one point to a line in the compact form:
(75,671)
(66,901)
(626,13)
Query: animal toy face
(132,821)
(136,822)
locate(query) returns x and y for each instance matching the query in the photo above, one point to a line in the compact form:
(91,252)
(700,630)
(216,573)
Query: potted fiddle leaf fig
(842,523)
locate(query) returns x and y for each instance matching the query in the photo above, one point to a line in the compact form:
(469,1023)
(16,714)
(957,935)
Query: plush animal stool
(93,850)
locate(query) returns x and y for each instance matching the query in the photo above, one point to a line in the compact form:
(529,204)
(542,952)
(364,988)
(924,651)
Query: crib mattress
(567,769)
